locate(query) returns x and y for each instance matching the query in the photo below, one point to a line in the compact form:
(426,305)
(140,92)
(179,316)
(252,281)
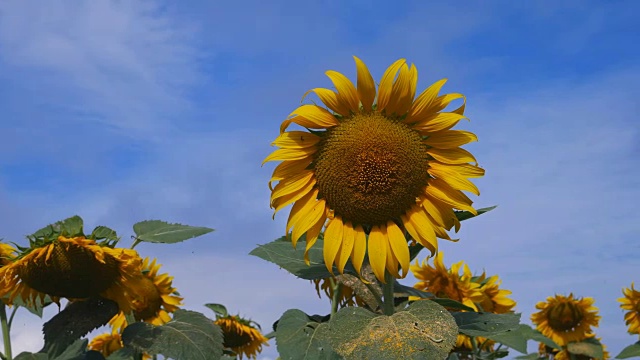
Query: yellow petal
(296,140)
(347,93)
(454,180)
(448,139)
(330,99)
(300,209)
(415,236)
(312,235)
(292,184)
(424,104)
(399,246)
(359,248)
(287,169)
(377,252)
(443,101)
(441,213)
(437,122)
(445,193)
(400,99)
(424,228)
(279,203)
(290,154)
(348,240)
(366,86)
(391,261)
(413,73)
(332,242)
(310,116)
(308,221)
(455,156)
(386,84)
(466,170)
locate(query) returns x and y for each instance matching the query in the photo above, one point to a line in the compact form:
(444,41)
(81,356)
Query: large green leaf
(515,339)
(36,309)
(157,231)
(189,335)
(300,337)
(282,253)
(485,324)
(75,351)
(31,356)
(630,351)
(589,347)
(425,330)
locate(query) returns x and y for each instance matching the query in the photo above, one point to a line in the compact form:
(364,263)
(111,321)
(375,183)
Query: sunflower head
(7,253)
(495,300)
(241,336)
(566,319)
(631,303)
(109,343)
(152,296)
(377,174)
(448,283)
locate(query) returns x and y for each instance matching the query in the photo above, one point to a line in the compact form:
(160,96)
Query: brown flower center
(565,316)
(370,169)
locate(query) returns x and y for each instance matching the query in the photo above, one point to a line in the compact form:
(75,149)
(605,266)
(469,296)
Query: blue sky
(126,111)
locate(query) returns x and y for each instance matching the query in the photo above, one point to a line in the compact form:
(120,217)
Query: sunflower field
(373,180)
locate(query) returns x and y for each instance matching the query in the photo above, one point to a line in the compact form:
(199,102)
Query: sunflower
(153,297)
(348,296)
(631,302)
(448,283)
(7,253)
(566,319)
(109,343)
(463,343)
(379,173)
(241,336)
(70,267)
(495,299)
(566,355)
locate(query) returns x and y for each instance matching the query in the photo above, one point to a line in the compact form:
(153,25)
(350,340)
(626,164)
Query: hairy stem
(387,290)
(5,331)
(335,299)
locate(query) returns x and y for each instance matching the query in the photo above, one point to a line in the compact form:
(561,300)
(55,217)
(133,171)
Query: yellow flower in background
(152,297)
(495,300)
(241,337)
(631,303)
(109,343)
(566,355)
(447,283)
(377,172)
(348,296)
(73,268)
(566,319)
(463,343)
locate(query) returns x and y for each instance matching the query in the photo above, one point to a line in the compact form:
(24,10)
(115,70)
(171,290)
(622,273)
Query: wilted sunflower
(566,319)
(631,302)
(348,296)
(241,336)
(152,297)
(447,283)
(495,299)
(380,170)
(73,268)
(109,343)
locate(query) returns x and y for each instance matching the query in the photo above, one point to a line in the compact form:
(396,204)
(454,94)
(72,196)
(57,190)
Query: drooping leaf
(219,309)
(157,231)
(189,335)
(298,336)
(630,351)
(485,324)
(425,330)
(589,347)
(515,339)
(75,351)
(282,253)
(75,321)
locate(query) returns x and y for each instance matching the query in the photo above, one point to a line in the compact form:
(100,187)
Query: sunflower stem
(375,293)
(135,243)
(335,299)
(474,346)
(387,290)
(13,313)
(5,332)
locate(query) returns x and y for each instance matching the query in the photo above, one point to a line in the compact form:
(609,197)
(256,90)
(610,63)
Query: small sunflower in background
(446,282)
(72,267)
(241,336)
(379,173)
(152,297)
(547,352)
(348,295)
(108,343)
(631,303)
(566,319)
(463,344)
(495,300)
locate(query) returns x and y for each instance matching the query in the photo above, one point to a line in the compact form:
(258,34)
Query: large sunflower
(380,173)
(495,300)
(152,297)
(241,336)
(631,303)
(448,283)
(566,319)
(70,267)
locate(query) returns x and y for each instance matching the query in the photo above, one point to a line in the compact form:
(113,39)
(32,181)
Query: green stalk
(474,346)
(135,243)
(5,332)
(335,299)
(375,293)
(387,291)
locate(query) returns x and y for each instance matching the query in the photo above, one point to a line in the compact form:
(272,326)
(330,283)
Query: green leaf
(36,309)
(410,291)
(103,233)
(122,354)
(219,309)
(485,324)
(300,337)
(75,351)
(630,351)
(189,335)
(31,356)
(69,227)
(425,330)
(282,253)
(589,347)
(515,339)
(536,335)
(532,356)
(451,304)
(75,321)
(157,231)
